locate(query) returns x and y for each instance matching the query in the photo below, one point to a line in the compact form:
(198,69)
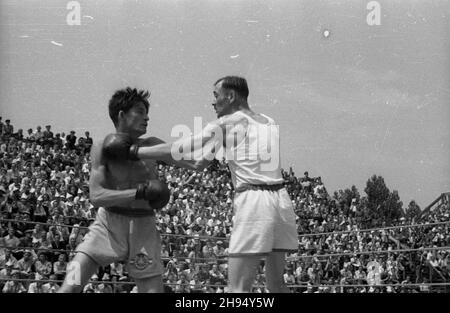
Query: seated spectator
(91,286)
(5,274)
(19,134)
(26,265)
(43,267)
(38,233)
(171,283)
(51,286)
(215,276)
(27,240)
(117,270)
(11,241)
(38,285)
(360,276)
(8,258)
(196,284)
(59,267)
(190,271)
(58,244)
(44,244)
(288,276)
(182,284)
(104,287)
(14,286)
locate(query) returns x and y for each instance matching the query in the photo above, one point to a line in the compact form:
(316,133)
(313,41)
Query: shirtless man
(127,193)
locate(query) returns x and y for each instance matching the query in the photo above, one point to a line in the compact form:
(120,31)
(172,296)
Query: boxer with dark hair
(127,194)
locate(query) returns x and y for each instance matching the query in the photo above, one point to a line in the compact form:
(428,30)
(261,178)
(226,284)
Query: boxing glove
(155,192)
(120,147)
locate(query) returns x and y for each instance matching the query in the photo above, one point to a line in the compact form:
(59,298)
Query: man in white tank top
(264,219)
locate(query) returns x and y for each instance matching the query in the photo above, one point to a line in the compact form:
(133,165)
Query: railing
(442,199)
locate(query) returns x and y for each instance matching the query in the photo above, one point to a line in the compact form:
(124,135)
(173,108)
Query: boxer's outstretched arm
(163,152)
(194,152)
(99,195)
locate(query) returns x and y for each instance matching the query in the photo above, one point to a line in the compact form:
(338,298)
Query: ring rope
(254,286)
(75,251)
(373,229)
(97,282)
(296,258)
(368,286)
(222,238)
(289,259)
(200,237)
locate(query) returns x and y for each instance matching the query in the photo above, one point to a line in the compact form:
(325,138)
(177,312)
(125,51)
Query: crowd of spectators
(44,179)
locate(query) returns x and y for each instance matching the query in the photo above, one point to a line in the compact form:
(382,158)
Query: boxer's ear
(120,115)
(231,95)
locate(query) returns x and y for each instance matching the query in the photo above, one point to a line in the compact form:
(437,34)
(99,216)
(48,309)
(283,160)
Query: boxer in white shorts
(127,192)
(264,219)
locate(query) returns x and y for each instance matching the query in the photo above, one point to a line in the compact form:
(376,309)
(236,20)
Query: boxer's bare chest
(128,174)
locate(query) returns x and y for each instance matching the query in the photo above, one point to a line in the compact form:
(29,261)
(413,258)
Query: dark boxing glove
(155,192)
(120,147)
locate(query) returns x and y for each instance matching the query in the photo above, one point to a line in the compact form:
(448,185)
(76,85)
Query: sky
(351,99)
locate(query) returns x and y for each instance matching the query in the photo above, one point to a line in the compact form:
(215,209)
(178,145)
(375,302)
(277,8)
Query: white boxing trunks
(264,221)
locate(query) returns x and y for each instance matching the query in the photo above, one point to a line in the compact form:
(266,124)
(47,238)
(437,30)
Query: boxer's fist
(155,192)
(120,147)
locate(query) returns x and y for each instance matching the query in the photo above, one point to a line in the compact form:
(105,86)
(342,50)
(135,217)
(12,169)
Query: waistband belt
(130,212)
(259,187)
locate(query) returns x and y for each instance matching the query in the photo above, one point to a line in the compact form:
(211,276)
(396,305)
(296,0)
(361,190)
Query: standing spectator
(39,135)
(58,142)
(71,139)
(87,143)
(8,129)
(48,135)
(306,183)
